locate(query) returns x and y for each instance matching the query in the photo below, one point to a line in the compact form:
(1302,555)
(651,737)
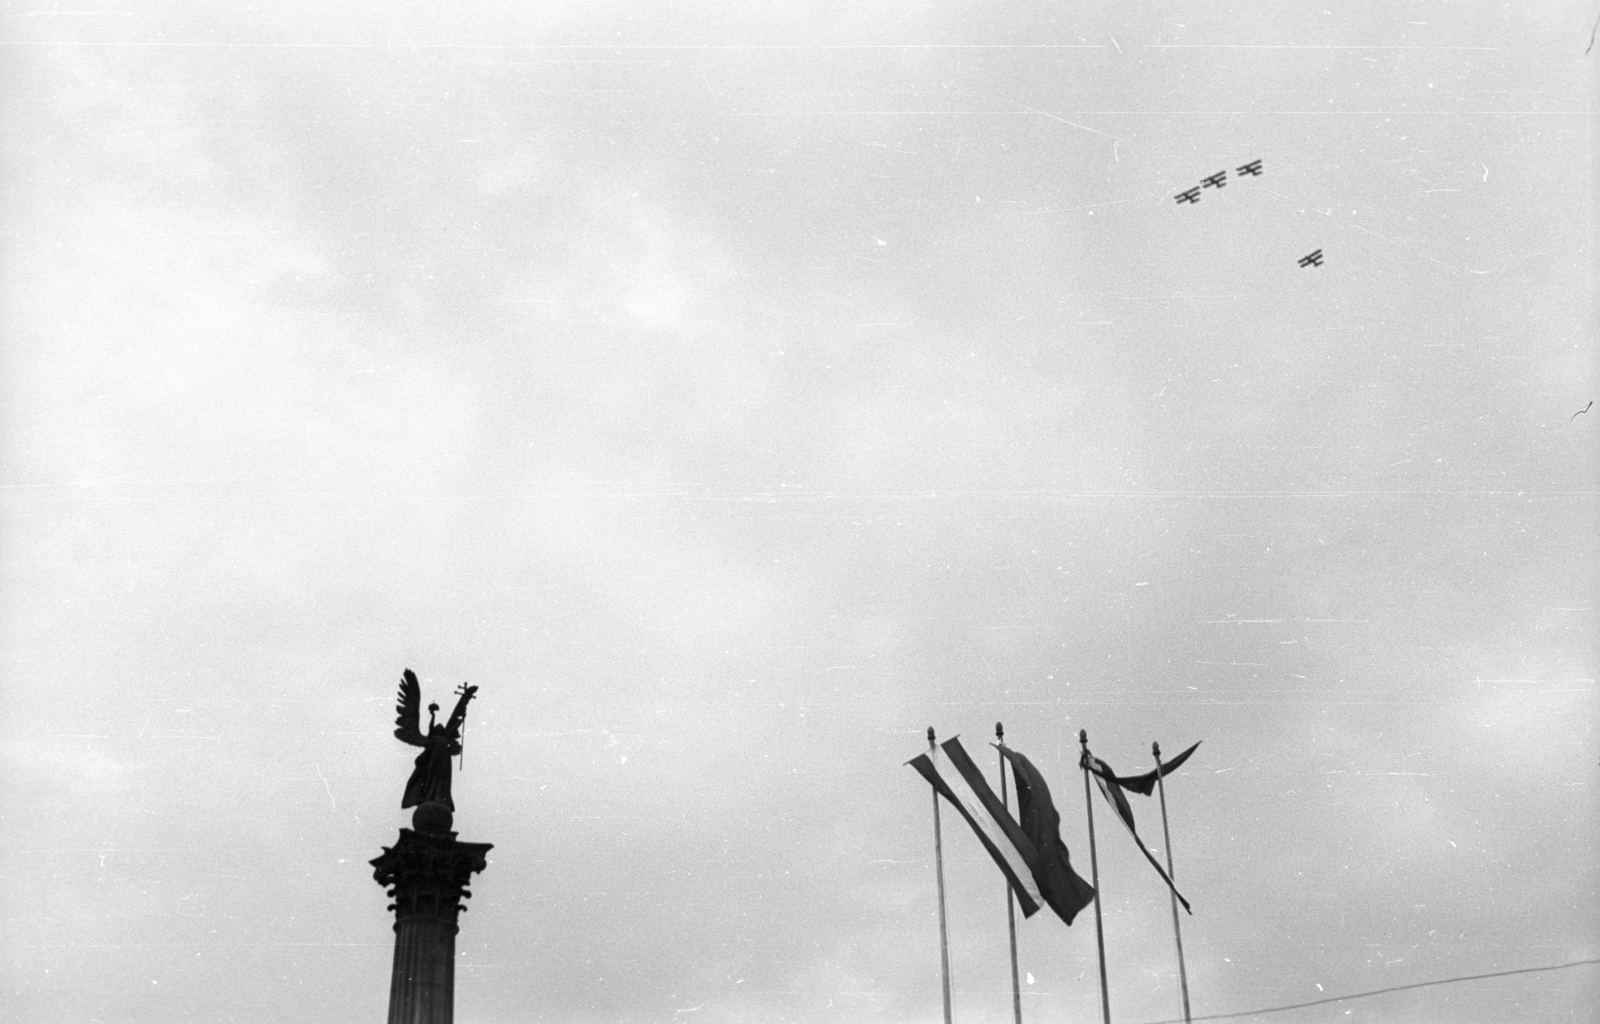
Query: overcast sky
(732,392)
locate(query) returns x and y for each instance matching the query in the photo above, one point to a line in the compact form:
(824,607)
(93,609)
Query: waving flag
(1145,784)
(1111,788)
(1062,888)
(953,776)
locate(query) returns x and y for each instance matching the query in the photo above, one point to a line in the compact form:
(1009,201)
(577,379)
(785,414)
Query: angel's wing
(1145,784)
(408,711)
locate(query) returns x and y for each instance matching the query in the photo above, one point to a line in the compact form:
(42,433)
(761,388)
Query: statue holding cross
(430,779)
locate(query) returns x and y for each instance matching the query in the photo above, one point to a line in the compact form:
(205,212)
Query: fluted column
(422,987)
(426,873)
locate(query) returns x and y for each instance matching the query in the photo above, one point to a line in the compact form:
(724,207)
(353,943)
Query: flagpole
(1094,870)
(1166,837)
(938,860)
(1011,909)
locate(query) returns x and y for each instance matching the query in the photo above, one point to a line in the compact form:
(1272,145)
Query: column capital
(427,875)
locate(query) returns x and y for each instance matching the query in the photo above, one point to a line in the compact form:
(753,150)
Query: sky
(734,391)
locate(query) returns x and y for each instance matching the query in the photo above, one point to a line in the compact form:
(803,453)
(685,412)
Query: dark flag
(1061,887)
(953,776)
(1145,784)
(1111,788)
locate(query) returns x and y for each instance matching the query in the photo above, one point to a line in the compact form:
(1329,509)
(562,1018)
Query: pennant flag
(1145,784)
(953,775)
(1106,779)
(1061,887)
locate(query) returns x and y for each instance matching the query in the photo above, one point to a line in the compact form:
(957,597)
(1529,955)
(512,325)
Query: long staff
(1166,838)
(1011,901)
(1094,870)
(461,741)
(938,860)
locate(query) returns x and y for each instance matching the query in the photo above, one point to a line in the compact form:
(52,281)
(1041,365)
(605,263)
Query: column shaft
(422,987)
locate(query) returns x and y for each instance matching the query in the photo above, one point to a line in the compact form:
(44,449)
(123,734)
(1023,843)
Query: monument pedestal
(426,874)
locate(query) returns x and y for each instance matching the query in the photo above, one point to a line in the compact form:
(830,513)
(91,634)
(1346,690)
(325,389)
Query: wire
(1378,992)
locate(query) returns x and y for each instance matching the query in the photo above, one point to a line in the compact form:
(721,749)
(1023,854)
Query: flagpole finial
(1155,749)
(999,732)
(930,737)
(1083,736)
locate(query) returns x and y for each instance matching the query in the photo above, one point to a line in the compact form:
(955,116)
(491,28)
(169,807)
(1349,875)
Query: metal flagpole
(1011,907)
(1094,870)
(1166,837)
(938,860)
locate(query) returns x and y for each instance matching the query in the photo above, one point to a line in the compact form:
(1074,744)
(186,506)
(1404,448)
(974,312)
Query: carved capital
(427,875)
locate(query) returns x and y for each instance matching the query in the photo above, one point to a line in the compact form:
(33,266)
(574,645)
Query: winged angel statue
(430,780)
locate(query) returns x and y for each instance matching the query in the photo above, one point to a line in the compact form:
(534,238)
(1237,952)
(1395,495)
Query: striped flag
(953,776)
(1106,779)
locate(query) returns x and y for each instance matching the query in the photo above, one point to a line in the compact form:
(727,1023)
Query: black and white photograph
(715,512)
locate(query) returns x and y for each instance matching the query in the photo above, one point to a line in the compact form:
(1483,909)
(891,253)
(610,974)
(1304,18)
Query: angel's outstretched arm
(459,715)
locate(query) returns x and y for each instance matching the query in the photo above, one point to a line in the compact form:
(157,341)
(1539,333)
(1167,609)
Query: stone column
(426,874)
